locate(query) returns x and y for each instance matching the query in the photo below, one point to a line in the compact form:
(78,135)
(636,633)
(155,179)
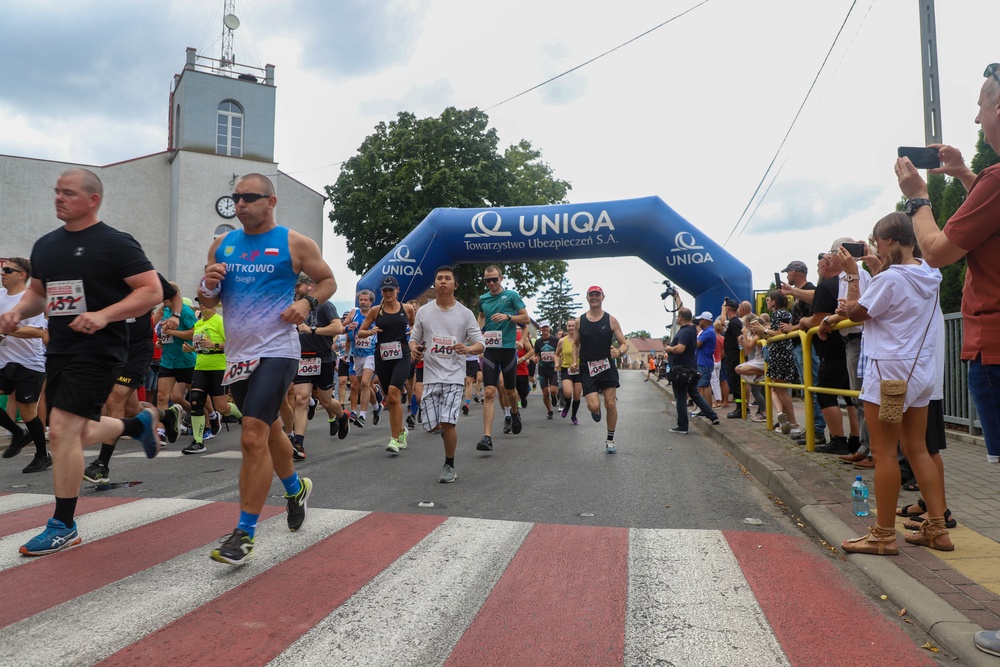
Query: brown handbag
(893,392)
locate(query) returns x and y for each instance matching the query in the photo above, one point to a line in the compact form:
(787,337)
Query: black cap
(389,282)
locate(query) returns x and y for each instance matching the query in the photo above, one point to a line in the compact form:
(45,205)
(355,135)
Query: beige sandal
(879,541)
(934,534)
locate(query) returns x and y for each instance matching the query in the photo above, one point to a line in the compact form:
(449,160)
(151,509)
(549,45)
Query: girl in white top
(900,309)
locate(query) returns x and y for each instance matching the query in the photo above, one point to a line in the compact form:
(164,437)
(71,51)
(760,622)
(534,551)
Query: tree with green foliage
(410,166)
(642,333)
(558,303)
(946,195)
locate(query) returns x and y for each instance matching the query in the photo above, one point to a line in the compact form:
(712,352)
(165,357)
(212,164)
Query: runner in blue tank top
(253,271)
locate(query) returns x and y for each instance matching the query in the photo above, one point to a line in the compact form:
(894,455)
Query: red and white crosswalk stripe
(357,588)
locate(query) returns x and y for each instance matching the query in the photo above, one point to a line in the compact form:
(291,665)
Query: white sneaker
(797,430)
(393,446)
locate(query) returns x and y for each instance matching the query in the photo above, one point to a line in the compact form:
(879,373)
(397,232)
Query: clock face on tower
(226,207)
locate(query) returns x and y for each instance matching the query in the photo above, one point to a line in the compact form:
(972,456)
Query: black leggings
(392,373)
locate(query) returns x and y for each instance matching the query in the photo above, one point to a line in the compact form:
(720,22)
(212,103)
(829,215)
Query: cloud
(801,204)
(423,101)
(565,89)
(349,38)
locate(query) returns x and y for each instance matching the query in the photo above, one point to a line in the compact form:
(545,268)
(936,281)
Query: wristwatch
(312,329)
(313,302)
(911,205)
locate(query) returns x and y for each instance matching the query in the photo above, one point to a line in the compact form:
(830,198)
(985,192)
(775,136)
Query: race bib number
(599,366)
(199,341)
(310,366)
(441,346)
(237,371)
(493,338)
(390,351)
(65,297)
(548,357)
(364,343)
(166,339)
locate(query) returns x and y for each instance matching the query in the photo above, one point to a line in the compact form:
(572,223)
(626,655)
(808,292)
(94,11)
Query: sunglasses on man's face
(492,280)
(248,197)
(595,293)
(991,70)
(8,270)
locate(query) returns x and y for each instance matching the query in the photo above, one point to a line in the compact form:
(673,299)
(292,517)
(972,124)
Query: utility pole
(929,62)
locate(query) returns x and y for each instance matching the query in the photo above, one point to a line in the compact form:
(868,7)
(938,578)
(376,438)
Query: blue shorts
(706,376)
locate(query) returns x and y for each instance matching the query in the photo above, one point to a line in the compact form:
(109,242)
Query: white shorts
(440,404)
(919,388)
(362,364)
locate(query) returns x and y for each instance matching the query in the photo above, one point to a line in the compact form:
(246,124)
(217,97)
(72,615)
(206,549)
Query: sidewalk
(951,595)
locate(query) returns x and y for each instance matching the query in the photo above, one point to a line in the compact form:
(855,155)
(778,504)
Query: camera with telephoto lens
(668,290)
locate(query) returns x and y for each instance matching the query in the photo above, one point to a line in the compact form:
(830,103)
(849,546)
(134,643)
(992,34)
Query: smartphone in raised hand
(922,157)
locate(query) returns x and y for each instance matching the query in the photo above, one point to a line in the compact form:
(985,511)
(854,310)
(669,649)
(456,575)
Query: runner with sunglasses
(500,312)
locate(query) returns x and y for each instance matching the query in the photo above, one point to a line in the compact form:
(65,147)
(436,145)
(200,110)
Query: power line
(792,126)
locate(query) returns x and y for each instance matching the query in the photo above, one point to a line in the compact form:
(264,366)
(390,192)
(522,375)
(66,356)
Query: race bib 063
(310,366)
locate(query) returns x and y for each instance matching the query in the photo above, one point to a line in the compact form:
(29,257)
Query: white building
(221,126)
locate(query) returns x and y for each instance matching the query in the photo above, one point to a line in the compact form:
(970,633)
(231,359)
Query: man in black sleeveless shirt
(594,356)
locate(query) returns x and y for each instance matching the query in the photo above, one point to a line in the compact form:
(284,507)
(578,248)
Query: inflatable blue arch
(646,228)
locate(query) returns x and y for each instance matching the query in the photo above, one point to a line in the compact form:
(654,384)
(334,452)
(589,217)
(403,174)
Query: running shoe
(549,415)
(448,474)
(39,463)
(150,443)
(97,473)
(477,399)
(172,422)
(361,421)
(297,504)
(597,415)
(524,402)
(515,423)
(312,409)
(393,446)
(194,448)
(575,421)
(236,549)
(55,537)
(206,434)
(609,447)
(485,445)
(680,431)
(298,451)
(465,408)
(411,422)
(506,424)
(215,422)
(377,415)
(565,410)
(343,426)
(17,442)
(784,424)
(402,438)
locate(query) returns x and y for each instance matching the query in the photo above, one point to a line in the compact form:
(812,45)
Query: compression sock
(248,523)
(611,436)
(413,405)
(65,509)
(106,452)
(234,412)
(576,406)
(450,462)
(292,484)
(8,423)
(506,412)
(198,427)
(37,430)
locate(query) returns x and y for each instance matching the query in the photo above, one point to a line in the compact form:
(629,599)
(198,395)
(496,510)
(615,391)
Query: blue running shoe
(55,537)
(150,442)
(609,448)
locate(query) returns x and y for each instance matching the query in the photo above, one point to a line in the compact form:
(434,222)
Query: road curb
(946,625)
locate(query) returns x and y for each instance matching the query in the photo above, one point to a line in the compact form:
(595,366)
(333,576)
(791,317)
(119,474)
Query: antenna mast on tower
(229,23)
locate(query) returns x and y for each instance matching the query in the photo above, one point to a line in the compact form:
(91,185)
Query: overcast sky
(692,112)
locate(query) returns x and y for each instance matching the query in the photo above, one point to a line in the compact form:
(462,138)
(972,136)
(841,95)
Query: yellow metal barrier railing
(806,338)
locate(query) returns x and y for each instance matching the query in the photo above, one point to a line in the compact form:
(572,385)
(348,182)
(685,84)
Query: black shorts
(523,386)
(833,374)
(260,396)
(548,377)
(24,383)
(935,427)
(566,376)
(499,361)
(343,368)
(182,375)
(472,368)
(209,382)
(140,356)
(79,384)
(322,381)
(393,373)
(606,379)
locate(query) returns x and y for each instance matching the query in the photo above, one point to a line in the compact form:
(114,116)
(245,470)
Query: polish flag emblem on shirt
(270,251)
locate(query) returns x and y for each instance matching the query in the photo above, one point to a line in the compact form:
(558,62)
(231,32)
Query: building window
(222,230)
(229,134)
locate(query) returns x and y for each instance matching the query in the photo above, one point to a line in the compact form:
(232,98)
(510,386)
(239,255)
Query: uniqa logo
(685,243)
(480,226)
(401,254)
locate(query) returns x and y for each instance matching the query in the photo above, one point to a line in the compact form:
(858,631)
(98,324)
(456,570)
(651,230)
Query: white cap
(706,316)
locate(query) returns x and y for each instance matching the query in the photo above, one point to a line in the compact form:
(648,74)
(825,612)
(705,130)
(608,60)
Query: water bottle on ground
(859,497)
